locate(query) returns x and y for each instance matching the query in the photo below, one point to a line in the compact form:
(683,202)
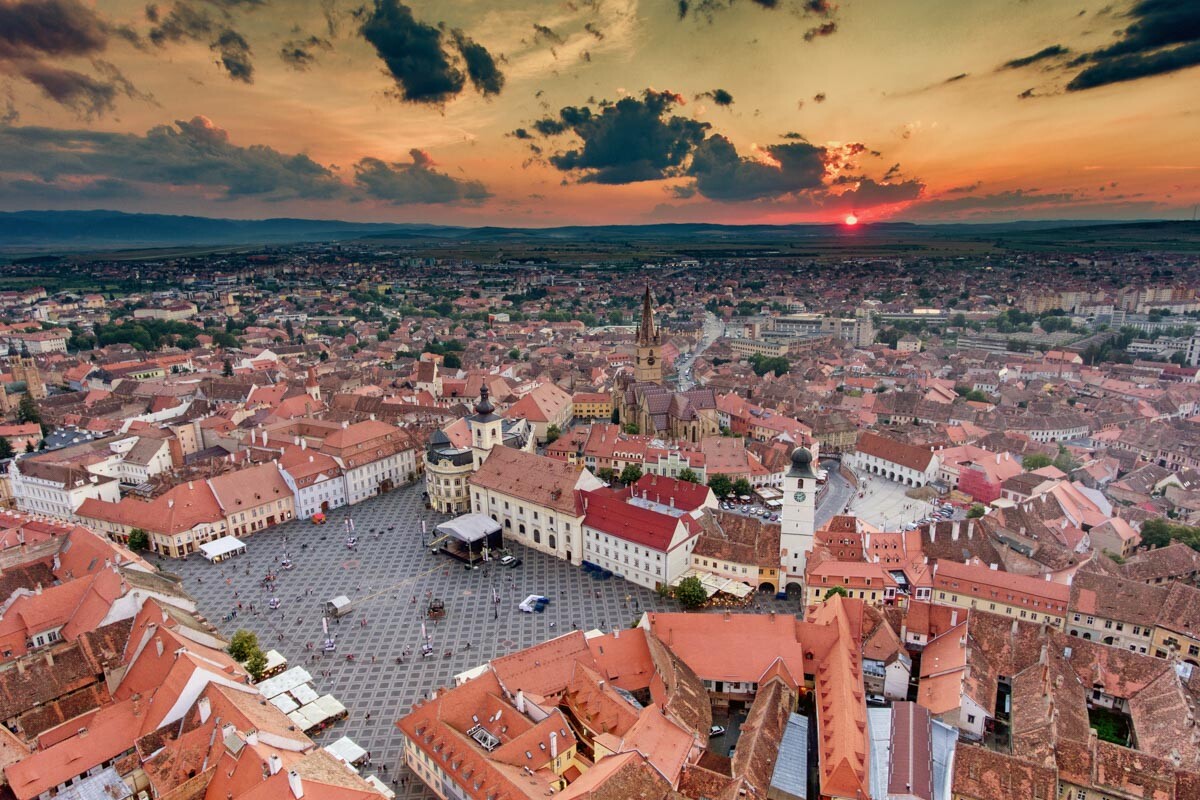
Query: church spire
(646,333)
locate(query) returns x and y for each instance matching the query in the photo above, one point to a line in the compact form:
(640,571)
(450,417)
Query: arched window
(508,524)
(537,536)
(550,540)
(521,529)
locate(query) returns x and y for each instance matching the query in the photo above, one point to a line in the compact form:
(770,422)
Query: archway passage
(766,587)
(794,591)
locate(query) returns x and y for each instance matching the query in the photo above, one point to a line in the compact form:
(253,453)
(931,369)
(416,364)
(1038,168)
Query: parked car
(510,561)
(716,730)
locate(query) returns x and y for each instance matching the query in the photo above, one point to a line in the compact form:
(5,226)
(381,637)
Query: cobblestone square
(389,567)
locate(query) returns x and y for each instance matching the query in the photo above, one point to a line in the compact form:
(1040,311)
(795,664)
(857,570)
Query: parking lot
(389,577)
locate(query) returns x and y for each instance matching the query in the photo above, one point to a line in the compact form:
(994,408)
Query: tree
(1160,533)
(552,434)
(138,540)
(838,590)
(27,409)
(255,664)
(631,474)
(1064,461)
(690,592)
(742,487)
(227,370)
(242,644)
(632,429)
(976,511)
(452,361)
(605,474)
(721,485)
(6,448)
(514,354)
(1036,461)
(688,475)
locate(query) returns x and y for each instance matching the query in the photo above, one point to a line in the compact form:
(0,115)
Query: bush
(838,590)
(976,511)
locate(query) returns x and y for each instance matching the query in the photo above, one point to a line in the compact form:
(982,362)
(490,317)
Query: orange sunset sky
(603,111)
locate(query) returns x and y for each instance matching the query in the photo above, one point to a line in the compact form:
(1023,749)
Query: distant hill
(31,230)
(49,231)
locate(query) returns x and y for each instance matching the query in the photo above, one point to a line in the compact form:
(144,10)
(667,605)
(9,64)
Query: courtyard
(389,577)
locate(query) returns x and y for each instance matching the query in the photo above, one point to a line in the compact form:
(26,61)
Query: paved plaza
(389,567)
(885,504)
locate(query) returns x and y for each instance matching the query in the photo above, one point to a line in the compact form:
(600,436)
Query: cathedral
(658,410)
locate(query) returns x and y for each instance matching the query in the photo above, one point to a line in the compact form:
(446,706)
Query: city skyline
(601,111)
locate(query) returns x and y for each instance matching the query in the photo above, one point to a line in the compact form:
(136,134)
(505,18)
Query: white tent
(469,527)
(345,749)
(283,682)
(222,548)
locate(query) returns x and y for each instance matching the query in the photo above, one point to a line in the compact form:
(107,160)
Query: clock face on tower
(799,497)
(650,359)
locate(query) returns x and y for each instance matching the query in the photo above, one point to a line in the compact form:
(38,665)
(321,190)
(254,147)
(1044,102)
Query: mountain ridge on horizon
(34,230)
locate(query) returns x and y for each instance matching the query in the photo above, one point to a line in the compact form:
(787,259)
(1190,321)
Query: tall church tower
(648,367)
(486,428)
(798,523)
(311,387)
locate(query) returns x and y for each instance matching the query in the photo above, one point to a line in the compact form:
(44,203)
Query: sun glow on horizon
(851,220)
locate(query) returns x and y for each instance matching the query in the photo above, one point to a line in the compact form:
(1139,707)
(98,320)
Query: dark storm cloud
(819,97)
(99,190)
(1162,36)
(300,54)
(1053,51)
(485,76)
(35,34)
(594,31)
(234,52)
(627,141)
(1136,65)
(521,133)
(189,153)
(869,193)
(415,182)
(824,29)
(718,96)
(89,96)
(211,22)
(722,174)
(418,58)
(1017,198)
(543,33)
(34,28)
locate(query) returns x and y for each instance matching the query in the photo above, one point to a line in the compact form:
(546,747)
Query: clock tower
(648,366)
(798,523)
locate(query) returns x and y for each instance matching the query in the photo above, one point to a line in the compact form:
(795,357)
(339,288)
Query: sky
(525,113)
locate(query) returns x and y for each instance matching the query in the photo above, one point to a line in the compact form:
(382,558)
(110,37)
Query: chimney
(953,617)
(521,701)
(253,436)
(303,443)
(190,487)
(553,744)
(252,738)
(295,784)
(616,633)
(158,646)
(205,708)
(171,503)
(275,763)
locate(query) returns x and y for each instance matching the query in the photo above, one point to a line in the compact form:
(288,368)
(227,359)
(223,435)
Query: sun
(851,219)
